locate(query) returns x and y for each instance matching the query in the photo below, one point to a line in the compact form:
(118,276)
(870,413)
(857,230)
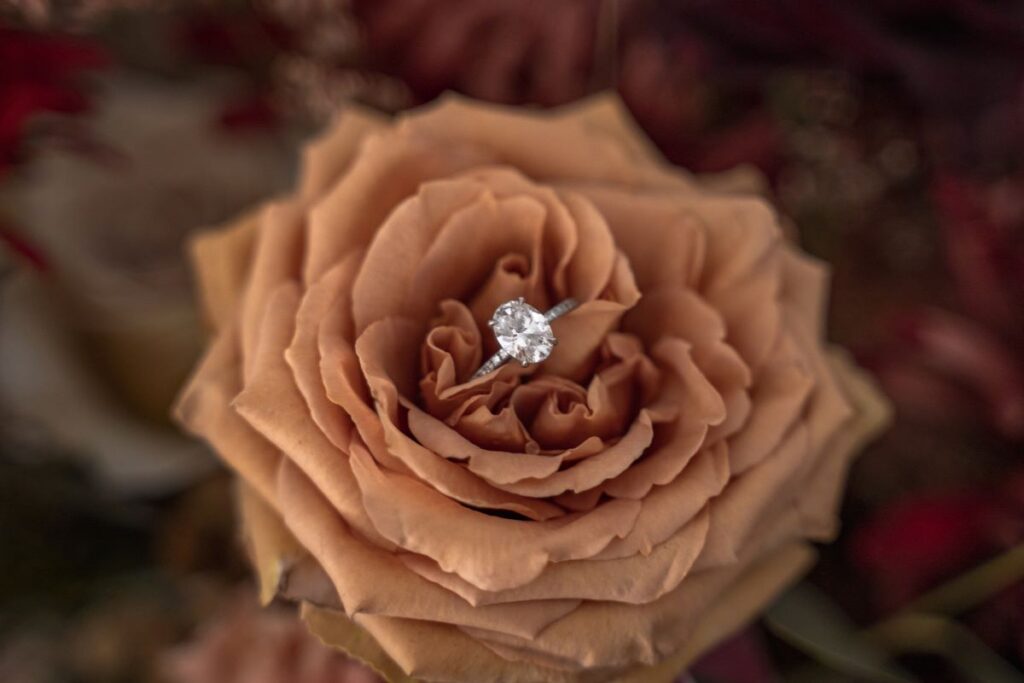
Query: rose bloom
(607,514)
(243,644)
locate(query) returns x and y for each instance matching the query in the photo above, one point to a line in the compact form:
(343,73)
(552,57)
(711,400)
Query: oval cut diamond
(522,331)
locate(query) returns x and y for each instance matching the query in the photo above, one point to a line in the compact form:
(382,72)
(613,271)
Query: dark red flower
(554,52)
(944,364)
(970,357)
(983,230)
(37,74)
(914,542)
(247,113)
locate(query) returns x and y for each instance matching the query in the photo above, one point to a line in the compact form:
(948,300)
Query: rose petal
(560,147)
(872,415)
(805,290)
(594,469)
(303,354)
(634,579)
(335,630)
(204,408)
(326,158)
(387,169)
(777,401)
(466,248)
(220,261)
(605,112)
(580,334)
(590,263)
(699,406)
(343,380)
(658,234)
(677,312)
(736,512)
(428,649)
(577,246)
(276,259)
(409,651)
(385,344)
(372,581)
(451,350)
(274,551)
(561,414)
(624,635)
(498,467)
(490,552)
(666,509)
(742,279)
(272,404)
(385,279)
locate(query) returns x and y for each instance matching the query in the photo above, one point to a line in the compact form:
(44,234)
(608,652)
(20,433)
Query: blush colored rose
(247,645)
(607,514)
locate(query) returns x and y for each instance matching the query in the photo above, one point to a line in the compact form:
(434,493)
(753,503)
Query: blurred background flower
(245,643)
(99,330)
(38,74)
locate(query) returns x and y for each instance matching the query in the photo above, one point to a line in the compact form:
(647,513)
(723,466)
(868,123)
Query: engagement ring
(523,333)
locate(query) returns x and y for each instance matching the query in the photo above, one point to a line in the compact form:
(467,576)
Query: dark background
(891,131)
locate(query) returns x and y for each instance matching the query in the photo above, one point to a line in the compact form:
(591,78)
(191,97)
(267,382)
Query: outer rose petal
(660,234)
(272,548)
(272,404)
(873,414)
(491,553)
(387,168)
(439,650)
(665,509)
(624,635)
(220,261)
(745,501)
(329,156)
(276,259)
(372,581)
(590,147)
(204,408)
(303,354)
(384,283)
(805,290)
(436,646)
(778,398)
(633,578)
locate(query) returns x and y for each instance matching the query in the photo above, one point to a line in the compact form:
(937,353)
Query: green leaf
(946,638)
(807,619)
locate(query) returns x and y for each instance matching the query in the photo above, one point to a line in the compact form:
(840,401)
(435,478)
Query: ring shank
(492,364)
(561,309)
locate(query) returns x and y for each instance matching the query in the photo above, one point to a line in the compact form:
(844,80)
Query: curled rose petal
(606,514)
(490,552)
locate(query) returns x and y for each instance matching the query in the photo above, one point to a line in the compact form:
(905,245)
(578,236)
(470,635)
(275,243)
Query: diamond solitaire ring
(523,333)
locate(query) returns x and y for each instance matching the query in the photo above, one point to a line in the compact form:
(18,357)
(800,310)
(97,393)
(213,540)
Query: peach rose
(605,515)
(244,644)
